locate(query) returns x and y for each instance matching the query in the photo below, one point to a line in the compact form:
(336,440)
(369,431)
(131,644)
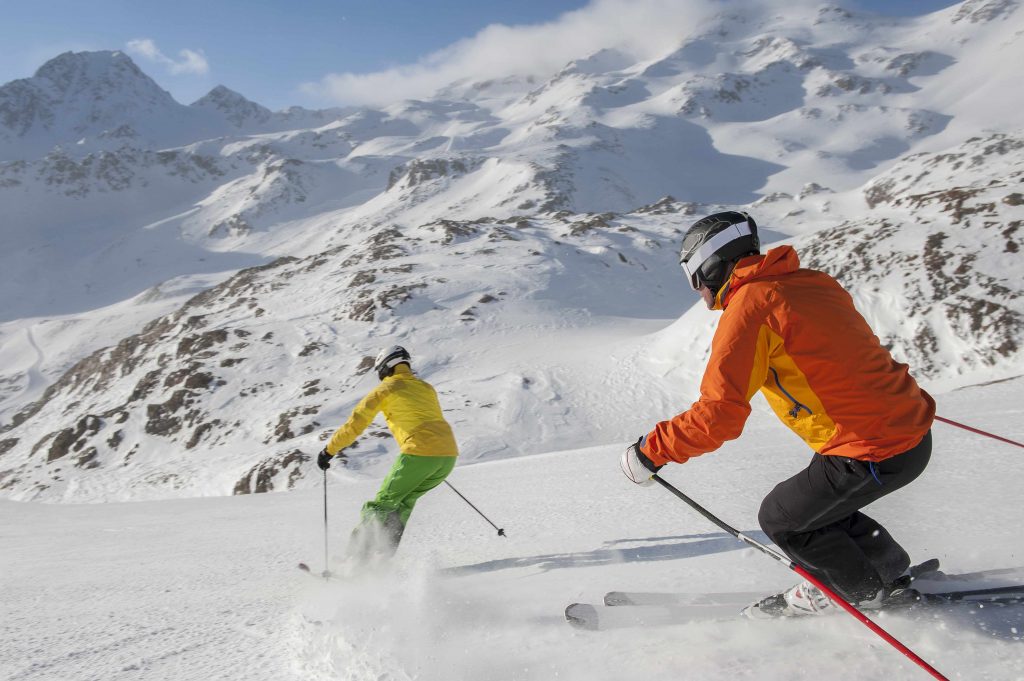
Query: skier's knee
(772,520)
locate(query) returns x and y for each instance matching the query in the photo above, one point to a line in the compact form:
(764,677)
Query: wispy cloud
(642,28)
(189,61)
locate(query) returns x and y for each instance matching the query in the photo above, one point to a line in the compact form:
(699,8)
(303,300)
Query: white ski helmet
(388,359)
(713,243)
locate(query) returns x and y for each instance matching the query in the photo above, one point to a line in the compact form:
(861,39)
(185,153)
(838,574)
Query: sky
(322,52)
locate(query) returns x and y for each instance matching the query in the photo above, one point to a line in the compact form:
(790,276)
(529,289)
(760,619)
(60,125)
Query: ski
(616,598)
(999,595)
(719,607)
(671,599)
(590,617)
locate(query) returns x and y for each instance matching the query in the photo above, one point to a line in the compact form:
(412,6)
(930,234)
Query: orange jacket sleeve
(736,370)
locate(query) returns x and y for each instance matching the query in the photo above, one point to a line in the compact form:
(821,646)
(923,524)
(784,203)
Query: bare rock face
(283,430)
(419,171)
(71,439)
(945,264)
(277,472)
(983,11)
(667,205)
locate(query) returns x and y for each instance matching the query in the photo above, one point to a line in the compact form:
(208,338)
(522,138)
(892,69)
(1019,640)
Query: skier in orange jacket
(794,335)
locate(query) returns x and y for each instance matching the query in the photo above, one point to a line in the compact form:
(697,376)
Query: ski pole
(326,573)
(843,603)
(501,532)
(979,432)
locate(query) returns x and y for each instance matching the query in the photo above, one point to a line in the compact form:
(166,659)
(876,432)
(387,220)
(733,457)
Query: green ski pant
(409,479)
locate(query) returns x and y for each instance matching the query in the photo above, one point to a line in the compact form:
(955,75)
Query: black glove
(323,460)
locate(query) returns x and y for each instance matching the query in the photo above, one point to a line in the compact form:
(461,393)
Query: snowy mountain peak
(81,95)
(601,62)
(74,72)
(235,108)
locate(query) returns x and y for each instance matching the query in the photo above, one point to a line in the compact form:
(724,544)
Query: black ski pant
(815,518)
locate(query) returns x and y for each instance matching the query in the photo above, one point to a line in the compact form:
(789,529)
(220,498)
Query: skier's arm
(361,416)
(736,370)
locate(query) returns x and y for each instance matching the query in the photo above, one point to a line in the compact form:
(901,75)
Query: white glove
(637,467)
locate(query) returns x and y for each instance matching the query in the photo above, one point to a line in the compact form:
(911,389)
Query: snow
(207,588)
(496,229)
(396,225)
(741,95)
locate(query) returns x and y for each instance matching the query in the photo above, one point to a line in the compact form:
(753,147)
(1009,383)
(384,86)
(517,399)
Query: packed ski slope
(206,588)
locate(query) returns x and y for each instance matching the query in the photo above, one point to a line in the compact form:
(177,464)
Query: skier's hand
(636,466)
(323,460)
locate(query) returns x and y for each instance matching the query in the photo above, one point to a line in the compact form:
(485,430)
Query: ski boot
(802,599)
(807,599)
(899,594)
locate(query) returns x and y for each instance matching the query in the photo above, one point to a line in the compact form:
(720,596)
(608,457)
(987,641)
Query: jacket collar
(778,261)
(402,370)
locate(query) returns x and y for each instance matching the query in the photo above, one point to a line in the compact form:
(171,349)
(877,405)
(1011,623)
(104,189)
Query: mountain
(82,103)
(235,108)
(217,299)
(82,96)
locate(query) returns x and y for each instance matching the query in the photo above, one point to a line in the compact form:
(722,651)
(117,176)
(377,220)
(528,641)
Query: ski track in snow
(35,378)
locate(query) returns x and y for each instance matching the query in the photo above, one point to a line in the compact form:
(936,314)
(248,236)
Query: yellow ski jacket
(412,412)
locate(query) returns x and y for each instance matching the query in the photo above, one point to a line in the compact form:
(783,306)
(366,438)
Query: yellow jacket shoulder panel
(412,412)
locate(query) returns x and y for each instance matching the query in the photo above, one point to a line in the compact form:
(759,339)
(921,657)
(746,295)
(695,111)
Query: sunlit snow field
(208,588)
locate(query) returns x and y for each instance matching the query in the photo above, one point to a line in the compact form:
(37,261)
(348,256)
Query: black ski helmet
(714,242)
(388,359)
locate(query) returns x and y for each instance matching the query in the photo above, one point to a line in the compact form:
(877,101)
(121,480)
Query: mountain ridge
(493,229)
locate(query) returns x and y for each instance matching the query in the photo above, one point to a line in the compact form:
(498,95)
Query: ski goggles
(696,255)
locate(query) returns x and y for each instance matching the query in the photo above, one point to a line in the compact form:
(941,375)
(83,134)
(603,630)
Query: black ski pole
(839,600)
(326,573)
(501,532)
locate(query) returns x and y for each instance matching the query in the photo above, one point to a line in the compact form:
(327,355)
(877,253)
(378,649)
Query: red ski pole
(979,432)
(839,600)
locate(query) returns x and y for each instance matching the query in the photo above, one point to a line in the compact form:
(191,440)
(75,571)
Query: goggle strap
(712,245)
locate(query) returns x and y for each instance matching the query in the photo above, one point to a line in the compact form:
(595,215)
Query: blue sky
(268,50)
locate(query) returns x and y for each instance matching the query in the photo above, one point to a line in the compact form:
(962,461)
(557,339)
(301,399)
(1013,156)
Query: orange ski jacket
(794,335)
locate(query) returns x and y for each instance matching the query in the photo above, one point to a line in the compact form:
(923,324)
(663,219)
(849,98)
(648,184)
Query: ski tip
(617,598)
(304,567)
(582,616)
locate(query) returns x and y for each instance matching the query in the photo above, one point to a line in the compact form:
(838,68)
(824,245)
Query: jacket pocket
(843,473)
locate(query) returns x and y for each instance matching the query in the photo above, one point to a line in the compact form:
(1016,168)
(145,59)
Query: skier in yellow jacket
(427,451)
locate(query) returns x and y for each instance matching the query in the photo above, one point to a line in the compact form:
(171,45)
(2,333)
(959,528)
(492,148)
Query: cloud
(641,28)
(189,62)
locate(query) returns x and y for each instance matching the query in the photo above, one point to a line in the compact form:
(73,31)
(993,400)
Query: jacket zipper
(797,405)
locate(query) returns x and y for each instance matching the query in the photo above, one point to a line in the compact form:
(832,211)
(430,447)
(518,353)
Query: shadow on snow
(687,546)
